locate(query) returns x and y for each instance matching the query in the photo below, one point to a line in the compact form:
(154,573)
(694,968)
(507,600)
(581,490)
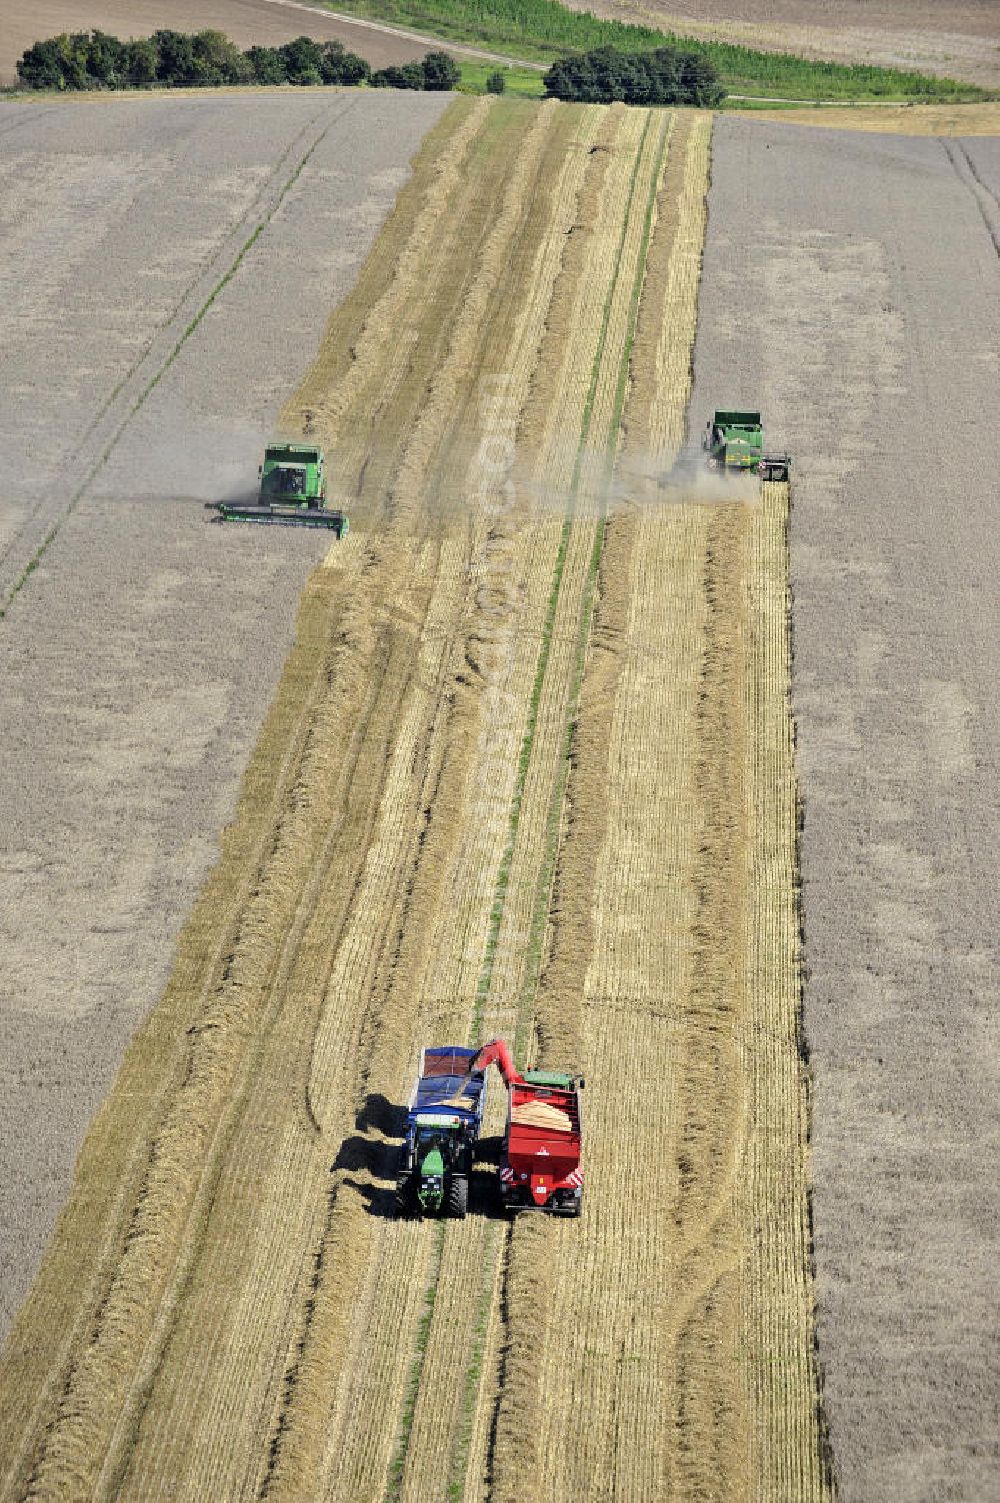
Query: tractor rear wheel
(458,1195)
(406,1195)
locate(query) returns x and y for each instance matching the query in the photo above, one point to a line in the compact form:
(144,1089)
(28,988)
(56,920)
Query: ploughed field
(868,326)
(528,771)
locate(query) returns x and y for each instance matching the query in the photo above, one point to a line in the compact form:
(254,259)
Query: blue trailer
(443,1122)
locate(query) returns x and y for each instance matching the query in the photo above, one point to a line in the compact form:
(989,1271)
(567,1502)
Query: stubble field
(142,652)
(530,770)
(869,332)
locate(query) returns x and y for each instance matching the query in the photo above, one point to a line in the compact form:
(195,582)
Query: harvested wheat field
(528,771)
(895,120)
(868,332)
(140,654)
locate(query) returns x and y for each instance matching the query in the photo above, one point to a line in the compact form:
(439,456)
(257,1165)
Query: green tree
(303,60)
(41,66)
(409,76)
(338,66)
(76,48)
(175,58)
(267,65)
(440,71)
(106,60)
(496,83)
(664,76)
(356,70)
(140,61)
(217,60)
(701,81)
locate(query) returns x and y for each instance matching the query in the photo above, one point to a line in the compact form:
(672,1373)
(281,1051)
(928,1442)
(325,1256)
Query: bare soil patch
(849,290)
(265,23)
(140,657)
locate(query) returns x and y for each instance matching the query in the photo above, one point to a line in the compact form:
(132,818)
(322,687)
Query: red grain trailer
(540,1160)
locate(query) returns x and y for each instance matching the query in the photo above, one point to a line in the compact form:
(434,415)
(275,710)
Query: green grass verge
(524,83)
(541,30)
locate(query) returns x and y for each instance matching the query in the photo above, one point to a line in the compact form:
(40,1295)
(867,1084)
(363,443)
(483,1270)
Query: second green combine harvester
(734,443)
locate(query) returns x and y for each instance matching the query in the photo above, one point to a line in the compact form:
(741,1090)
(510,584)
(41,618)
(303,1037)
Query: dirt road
(860,313)
(139,660)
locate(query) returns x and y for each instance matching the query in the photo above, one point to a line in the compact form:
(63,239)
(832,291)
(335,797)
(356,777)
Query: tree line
(667,75)
(96,60)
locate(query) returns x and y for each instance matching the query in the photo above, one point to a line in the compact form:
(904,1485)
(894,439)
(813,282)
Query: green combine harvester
(292,492)
(734,444)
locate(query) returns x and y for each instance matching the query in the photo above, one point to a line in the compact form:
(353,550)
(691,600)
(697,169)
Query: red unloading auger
(497,1053)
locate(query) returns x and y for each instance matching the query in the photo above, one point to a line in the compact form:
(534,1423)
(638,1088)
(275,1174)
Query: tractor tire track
(987,201)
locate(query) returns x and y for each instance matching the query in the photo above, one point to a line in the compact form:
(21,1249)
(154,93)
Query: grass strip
(459,1464)
(394,1486)
(541,30)
(524,83)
